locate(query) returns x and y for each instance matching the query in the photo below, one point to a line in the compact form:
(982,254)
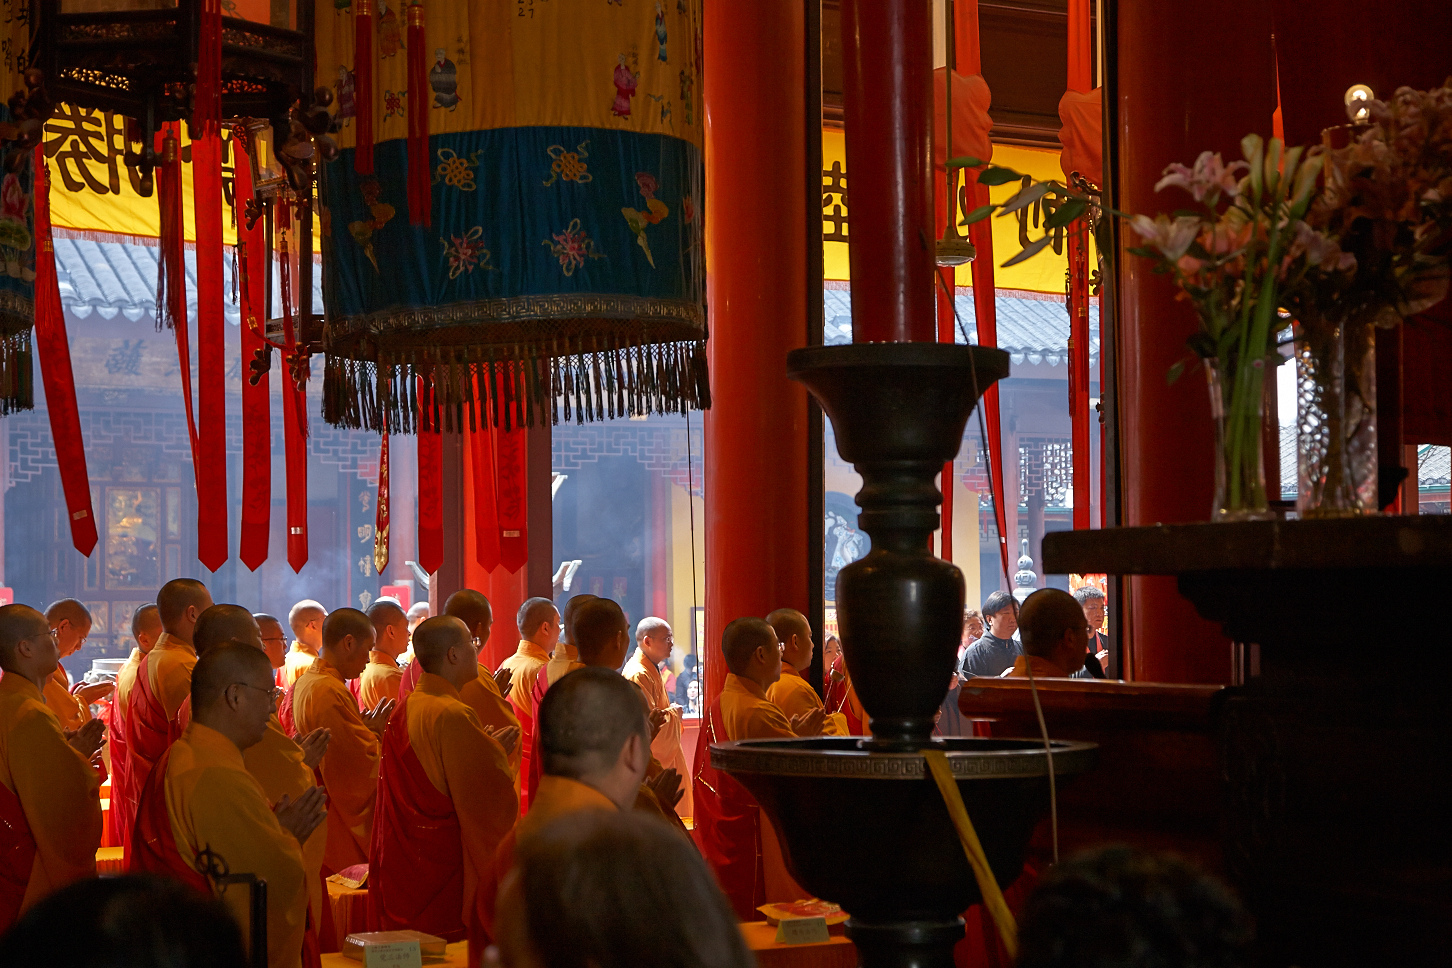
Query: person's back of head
(224,625)
(471,608)
(601,633)
(1117,907)
(21,623)
(742,638)
(417,612)
(586,718)
(433,639)
(146,626)
(221,667)
(303,614)
(179,603)
(1043,619)
(390,626)
(132,921)
(597,889)
(533,615)
(68,610)
(570,612)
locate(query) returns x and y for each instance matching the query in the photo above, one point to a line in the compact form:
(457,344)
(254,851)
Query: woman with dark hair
(136,921)
(613,890)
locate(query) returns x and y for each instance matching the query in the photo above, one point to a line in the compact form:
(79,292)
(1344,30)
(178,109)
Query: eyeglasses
(53,633)
(275,692)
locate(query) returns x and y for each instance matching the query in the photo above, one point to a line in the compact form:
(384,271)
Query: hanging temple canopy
(535,252)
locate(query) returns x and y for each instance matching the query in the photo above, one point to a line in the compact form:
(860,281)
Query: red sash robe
(416,859)
(17,856)
(147,735)
(122,814)
(728,825)
(531,765)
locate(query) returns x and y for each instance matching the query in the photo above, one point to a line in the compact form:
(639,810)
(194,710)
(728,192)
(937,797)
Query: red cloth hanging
(430,484)
(420,191)
(363,84)
(985,314)
(1082,138)
(294,422)
(253,254)
(511,460)
(971,123)
(486,506)
(57,375)
(380,519)
(1082,134)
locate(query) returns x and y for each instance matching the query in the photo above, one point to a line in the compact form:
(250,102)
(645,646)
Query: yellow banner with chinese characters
(1044,272)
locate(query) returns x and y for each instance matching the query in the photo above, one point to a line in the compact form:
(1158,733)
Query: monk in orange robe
(145,630)
(321,700)
(653,643)
(163,679)
(1055,640)
(486,695)
(792,694)
(306,621)
(202,808)
(274,643)
(445,799)
(50,806)
(381,676)
(539,624)
(743,849)
(72,623)
(564,659)
(595,748)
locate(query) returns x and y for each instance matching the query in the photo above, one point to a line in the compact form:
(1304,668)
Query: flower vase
(1336,419)
(1237,405)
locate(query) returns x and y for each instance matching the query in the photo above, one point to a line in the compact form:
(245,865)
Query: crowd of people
(526,809)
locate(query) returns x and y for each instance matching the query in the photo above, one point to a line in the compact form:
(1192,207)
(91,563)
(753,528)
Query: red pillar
(887,59)
(756,429)
(1186,83)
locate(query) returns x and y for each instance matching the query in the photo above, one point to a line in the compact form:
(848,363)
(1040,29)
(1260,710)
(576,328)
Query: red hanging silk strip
(363,84)
(212,545)
(294,421)
(486,496)
(1080,80)
(420,191)
(430,485)
(380,521)
(252,257)
(56,373)
(511,458)
(985,313)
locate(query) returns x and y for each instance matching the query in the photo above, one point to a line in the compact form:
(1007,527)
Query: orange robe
(203,798)
(50,806)
(379,681)
(793,696)
(276,763)
(163,682)
(482,696)
(72,713)
(1042,669)
(742,847)
(666,747)
(565,660)
(445,801)
(299,659)
(321,700)
(123,794)
(525,664)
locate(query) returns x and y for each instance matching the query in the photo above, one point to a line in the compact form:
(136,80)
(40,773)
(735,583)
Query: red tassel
(252,256)
(57,375)
(380,521)
(430,484)
(420,191)
(363,84)
(486,513)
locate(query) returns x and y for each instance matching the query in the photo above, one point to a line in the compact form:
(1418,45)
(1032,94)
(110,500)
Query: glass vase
(1336,459)
(1237,406)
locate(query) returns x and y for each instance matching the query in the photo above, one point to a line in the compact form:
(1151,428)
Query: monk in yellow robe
(274,643)
(1055,639)
(145,630)
(202,807)
(595,749)
(306,621)
(564,659)
(539,626)
(653,643)
(485,695)
(71,621)
(381,676)
(739,843)
(445,799)
(321,700)
(50,807)
(792,694)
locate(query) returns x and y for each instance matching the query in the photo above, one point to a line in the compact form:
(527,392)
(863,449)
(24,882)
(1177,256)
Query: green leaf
(1143,251)
(964,161)
(1067,213)
(1177,370)
(997,176)
(978,214)
(1024,198)
(1029,251)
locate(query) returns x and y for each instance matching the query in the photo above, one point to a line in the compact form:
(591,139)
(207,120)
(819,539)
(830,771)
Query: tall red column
(1185,83)
(756,279)
(887,72)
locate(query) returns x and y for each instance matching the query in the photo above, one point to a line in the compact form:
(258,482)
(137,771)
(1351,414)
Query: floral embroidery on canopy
(569,165)
(466,252)
(655,212)
(572,247)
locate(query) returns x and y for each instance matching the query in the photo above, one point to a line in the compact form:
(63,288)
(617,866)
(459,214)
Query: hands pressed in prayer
(508,737)
(302,816)
(314,745)
(504,678)
(809,723)
(95,692)
(377,717)
(666,785)
(658,719)
(88,739)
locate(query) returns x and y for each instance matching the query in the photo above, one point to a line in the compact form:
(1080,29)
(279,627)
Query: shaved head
(146,620)
(224,666)
(178,595)
(1044,617)
(343,623)
(223,625)
(585,720)
(788,622)
(304,612)
(649,626)
(18,622)
(741,640)
(598,624)
(471,608)
(434,637)
(567,617)
(68,609)
(386,613)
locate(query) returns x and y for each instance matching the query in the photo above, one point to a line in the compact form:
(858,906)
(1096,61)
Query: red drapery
(1081,79)
(253,254)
